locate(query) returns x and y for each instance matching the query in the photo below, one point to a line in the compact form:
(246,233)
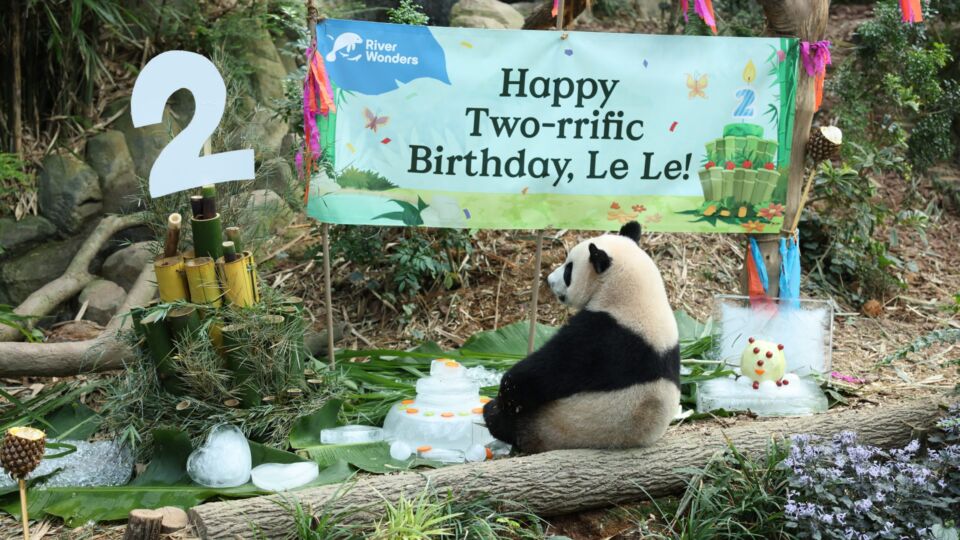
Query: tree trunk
(807,20)
(16,38)
(563,481)
(75,278)
(542,16)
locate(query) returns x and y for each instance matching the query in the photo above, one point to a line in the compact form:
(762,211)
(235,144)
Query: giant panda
(610,377)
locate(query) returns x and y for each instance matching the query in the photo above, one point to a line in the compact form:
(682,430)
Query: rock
(276,175)
(104,298)
(123,267)
(28,272)
(29,230)
(438,11)
(145,143)
(108,154)
(485,14)
(266,213)
(525,8)
(69,191)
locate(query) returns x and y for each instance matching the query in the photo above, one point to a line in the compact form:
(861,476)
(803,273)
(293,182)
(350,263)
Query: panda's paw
(499,424)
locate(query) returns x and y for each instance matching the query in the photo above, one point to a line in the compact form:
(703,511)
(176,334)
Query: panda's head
(591,262)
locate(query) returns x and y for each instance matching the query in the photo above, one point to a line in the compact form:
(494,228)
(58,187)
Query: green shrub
(14,180)
(408,12)
(893,88)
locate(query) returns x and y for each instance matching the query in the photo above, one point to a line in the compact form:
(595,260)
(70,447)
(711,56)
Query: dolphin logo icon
(345,42)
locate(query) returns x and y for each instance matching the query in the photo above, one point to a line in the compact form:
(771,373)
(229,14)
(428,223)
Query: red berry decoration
(769,354)
(750,340)
(779,346)
(710,165)
(756,385)
(760,363)
(756,350)
(747,164)
(768,166)
(730,165)
(779,383)
(786,382)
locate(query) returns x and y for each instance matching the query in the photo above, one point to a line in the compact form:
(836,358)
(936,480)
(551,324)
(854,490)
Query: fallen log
(77,275)
(562,481)
(106,351)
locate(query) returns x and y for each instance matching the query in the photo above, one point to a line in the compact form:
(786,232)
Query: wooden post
(312,18)
(535,298)
(23,508)
(807,20)
(17,78)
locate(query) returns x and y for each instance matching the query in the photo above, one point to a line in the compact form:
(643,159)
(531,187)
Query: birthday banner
(506,129)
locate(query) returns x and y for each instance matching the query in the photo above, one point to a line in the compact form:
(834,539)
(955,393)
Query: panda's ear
(631,230)
(599,259)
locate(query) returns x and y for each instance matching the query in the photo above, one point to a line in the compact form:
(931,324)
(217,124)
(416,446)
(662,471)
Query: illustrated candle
(746,95)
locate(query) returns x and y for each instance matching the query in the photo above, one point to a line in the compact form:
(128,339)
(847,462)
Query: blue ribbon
(790,271)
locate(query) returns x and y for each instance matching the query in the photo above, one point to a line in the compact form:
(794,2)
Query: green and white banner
(505,129)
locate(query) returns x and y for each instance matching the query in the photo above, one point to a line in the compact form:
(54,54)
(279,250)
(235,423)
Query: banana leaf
(164,483)
(371,457)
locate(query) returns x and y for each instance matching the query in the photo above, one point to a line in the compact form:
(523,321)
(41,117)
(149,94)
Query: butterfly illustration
(697,85)
(374,121)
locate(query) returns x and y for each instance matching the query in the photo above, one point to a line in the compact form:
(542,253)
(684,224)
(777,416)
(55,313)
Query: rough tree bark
(16,39)
(807,20)
(106,351)
(75,278)
(542,16)
(562,481)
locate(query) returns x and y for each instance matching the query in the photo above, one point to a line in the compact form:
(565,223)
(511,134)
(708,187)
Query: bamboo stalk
(202,281)
(229,251)
(209,198)
(235,236)
(183,321)
(328,293)
(160,347)
(17,79)
(239,363)
(171,279)
(23,496)
(252,270)
(238,284)
(196,206)
(172,244)
(207,237)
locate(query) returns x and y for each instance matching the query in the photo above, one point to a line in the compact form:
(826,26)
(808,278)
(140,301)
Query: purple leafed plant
(842,489)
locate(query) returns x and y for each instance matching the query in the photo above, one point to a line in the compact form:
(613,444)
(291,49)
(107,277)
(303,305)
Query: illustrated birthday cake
(740,169)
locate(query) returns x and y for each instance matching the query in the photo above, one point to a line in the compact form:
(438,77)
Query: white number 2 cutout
(180,166)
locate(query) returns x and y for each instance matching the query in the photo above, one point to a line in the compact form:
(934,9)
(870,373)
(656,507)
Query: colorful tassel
(911,10)
(790,271)
(815,57)
(556,7)
(317,99)
(704,9)
(757,280)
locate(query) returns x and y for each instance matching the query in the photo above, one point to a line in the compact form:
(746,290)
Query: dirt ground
(497,292)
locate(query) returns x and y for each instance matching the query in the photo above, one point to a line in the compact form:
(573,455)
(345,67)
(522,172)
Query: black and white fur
(610,377)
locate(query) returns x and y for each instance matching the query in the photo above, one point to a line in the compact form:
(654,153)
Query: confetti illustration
(568,52)
(351,148)
(466,44)
(466,213)
(673,126)
(386,140)
(644,62)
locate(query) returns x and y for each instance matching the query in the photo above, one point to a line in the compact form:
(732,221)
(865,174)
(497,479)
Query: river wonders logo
(376,58)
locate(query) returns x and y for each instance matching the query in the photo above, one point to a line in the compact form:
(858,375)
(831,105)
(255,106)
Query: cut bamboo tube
(294,301)
(207,237)
(209,193)
(188,255)
(172,244)
(229,251)
(238,281)
(252,270)
(233,233)
(239,363)
(171,279)
(202,281)
(196,206)
(183,321)
(160,347)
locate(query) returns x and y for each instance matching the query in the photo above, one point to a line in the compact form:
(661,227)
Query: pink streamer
(685,7)
(704,9)
(815,57)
